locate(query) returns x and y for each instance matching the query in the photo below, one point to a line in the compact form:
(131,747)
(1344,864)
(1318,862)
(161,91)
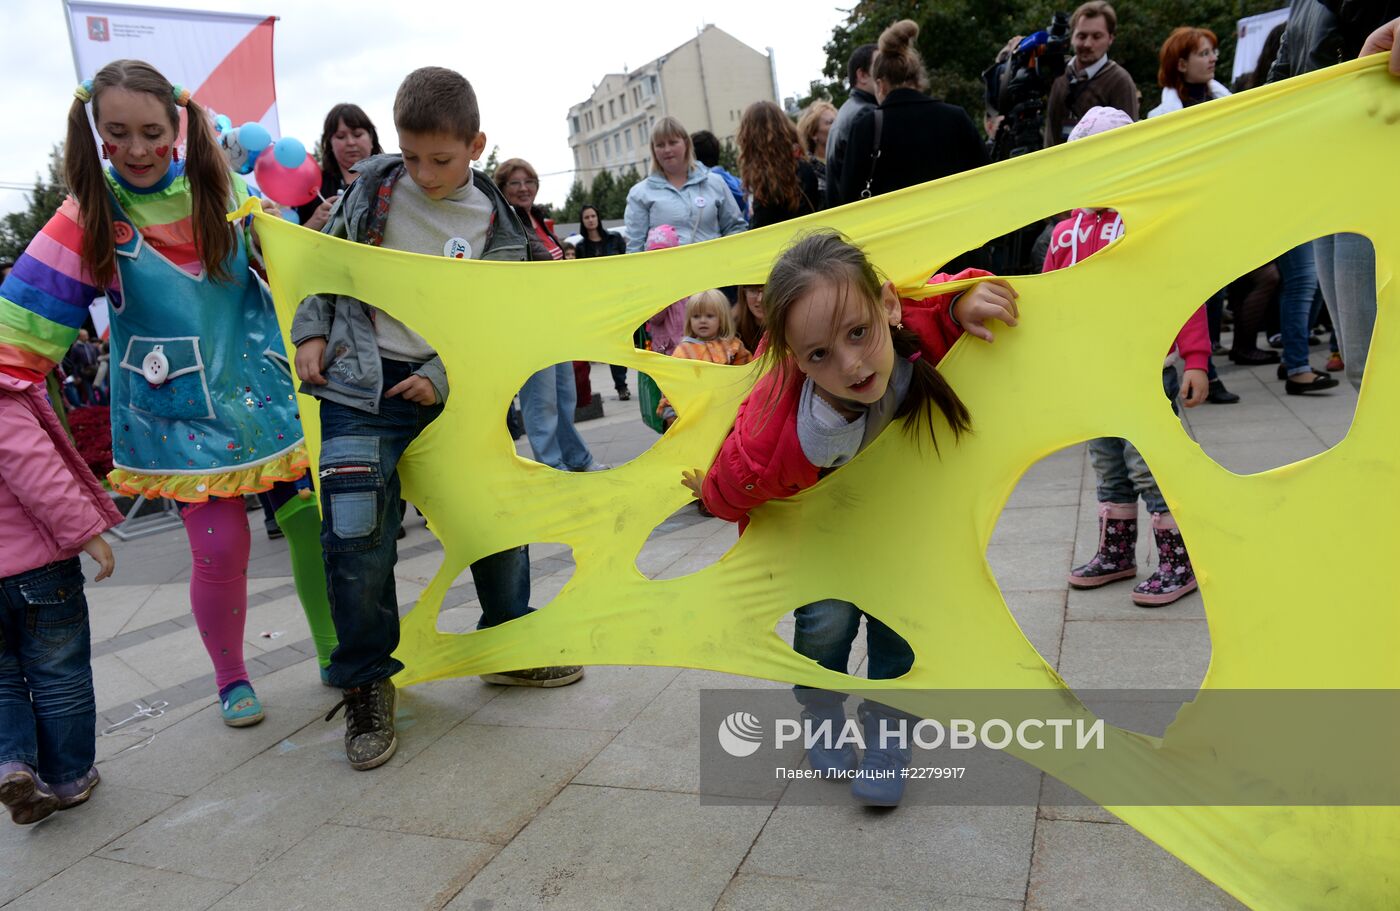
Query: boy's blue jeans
(360,522)
(824,633)
(47,711)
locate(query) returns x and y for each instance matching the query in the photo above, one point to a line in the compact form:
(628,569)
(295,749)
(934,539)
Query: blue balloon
(222,124)
(289,152)
(254,137)
(291,215)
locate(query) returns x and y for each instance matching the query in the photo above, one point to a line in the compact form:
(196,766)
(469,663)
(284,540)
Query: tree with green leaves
(17,229)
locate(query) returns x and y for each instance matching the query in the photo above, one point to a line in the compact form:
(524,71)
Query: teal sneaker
(240,706)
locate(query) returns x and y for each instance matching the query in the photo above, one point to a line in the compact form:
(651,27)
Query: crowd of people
(204,409)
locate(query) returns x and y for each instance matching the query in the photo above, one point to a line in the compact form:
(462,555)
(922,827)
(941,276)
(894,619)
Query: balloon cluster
(283,170)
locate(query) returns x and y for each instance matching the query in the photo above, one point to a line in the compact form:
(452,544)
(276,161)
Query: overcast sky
(528,63)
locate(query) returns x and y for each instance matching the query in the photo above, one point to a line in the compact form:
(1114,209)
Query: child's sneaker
(370,738)
(1116,557)
(879,782)
(1174,577)
(26,797)
(1334,363)
(72,793)
(538,676)
(240,705)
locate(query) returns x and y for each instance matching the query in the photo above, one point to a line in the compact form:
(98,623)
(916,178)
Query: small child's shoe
(1334,363)
(240,705)
(880,780)
(72,793)
(22,792)
(1174,578)
(1116,557)
(828,755)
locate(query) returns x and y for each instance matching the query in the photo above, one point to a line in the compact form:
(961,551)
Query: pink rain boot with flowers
(1174,577)
(1117,554)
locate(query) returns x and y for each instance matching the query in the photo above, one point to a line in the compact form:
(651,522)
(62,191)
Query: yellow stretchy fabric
(1207,194)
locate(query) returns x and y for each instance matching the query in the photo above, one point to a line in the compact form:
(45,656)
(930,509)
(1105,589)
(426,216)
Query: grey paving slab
(1135,654)
(112,605)
(1031,566)
(130,737)
(660,749)
(343,867)
(1252,432)
(242,821)
(478,782)
(161,602)
(606,699)
(1088,865)
(1252,458)
(1034,524)
(112,886)
(608,848)
(1060,801)
(115,683)
(1041,616)
(178,656)
(975,851)
(1114,602)
(30,855)
(748,892)
(194,752)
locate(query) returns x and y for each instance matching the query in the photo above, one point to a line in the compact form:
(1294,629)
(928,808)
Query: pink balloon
(288,186)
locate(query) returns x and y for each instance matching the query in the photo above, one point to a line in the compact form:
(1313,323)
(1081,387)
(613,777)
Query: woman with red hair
(1186,73)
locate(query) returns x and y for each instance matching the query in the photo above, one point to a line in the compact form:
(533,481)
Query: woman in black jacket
(599,241)
(920,139)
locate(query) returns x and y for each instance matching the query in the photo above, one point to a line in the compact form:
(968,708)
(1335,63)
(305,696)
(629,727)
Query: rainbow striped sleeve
(45,299)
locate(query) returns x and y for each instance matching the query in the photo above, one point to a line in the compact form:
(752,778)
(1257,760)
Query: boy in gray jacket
(381,384)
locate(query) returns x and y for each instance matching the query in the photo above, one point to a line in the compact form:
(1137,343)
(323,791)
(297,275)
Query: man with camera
(1091,79)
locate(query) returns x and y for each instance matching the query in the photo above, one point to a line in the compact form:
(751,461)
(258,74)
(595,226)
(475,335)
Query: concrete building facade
(705,84)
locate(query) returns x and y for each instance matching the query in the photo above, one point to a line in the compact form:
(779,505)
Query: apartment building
(705,84)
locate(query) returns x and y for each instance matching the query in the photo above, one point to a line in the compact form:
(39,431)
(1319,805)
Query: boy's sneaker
(72,793)
(26,797)
(370,740)
(538,676)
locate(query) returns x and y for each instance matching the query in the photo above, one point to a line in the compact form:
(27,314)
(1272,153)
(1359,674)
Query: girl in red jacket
(1122,473)
(849,357)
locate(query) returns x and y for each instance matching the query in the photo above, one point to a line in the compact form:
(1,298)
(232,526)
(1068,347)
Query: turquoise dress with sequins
(202,397)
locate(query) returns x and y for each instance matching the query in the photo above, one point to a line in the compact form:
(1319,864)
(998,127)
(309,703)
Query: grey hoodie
(351,364)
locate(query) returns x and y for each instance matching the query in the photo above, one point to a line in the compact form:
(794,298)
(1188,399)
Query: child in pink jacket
(51,507)
(1122,472)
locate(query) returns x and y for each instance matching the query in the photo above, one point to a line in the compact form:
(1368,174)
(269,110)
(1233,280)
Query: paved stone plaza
(585,797)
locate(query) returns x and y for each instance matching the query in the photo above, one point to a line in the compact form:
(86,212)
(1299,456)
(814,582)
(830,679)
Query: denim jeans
(360,522)
(1122,472)
(547,402)
(825,631)
(47,710)
(1298,275)
(1346,269)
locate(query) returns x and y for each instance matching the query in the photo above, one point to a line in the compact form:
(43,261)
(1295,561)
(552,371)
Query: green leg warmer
(301,524)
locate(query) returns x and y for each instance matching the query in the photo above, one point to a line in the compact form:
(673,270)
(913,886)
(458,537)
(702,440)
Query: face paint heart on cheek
(108,149)
(162,151)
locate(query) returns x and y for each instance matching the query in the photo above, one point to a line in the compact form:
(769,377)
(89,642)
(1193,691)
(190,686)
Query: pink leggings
(219,544)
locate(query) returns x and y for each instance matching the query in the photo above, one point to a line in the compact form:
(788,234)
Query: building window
(622,103)
(636,96)
(593,152)
(607,147)
(629,140)
(654,88)
(575,120)
(588,119)
(601,119)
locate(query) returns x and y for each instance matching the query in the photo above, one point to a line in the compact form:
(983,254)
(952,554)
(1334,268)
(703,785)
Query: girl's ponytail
(927,390)
(207,173)
(83,171)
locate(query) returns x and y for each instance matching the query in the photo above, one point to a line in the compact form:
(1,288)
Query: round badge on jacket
(699,202)
(457,248)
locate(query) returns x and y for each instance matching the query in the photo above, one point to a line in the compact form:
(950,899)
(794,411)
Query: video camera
(1035,64)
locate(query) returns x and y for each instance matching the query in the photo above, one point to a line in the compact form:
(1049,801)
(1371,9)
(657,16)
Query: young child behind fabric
(850,357)
(51,507)
(709,336)
(1122,472)
(376,400)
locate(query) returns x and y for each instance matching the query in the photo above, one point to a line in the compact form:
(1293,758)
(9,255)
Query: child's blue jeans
(825,631)
(360,521)
(48,714)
